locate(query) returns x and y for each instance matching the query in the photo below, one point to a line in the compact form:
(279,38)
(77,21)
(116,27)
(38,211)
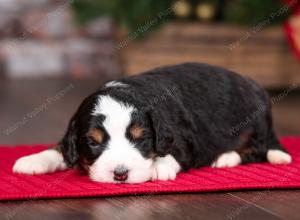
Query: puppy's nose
(120,173)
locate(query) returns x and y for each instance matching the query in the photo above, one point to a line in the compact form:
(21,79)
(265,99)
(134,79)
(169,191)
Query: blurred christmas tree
(254,11)
(132,13)
(127,13)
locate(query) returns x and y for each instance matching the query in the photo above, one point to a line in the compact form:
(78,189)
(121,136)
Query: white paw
(229,159)
(47,161)
(278,157)
(165,168)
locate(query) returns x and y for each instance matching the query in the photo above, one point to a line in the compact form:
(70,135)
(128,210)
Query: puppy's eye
(96,135)
(92,143)
(136,131)
(94,146)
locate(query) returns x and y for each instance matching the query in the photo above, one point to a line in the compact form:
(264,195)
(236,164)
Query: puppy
(170,119)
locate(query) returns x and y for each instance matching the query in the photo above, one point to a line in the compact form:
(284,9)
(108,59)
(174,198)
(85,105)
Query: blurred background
(53,53)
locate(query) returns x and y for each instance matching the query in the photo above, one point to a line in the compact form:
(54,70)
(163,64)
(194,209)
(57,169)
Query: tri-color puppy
(154,125)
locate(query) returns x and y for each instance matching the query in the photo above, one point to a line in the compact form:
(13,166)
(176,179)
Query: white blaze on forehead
(117,115)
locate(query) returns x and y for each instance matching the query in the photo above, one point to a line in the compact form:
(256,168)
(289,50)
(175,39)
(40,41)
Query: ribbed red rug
(72,183)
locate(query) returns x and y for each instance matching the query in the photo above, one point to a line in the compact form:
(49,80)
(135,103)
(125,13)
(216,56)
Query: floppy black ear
(69,144)
(164,138)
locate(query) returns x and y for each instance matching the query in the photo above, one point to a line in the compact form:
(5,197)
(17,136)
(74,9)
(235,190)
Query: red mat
(74,184)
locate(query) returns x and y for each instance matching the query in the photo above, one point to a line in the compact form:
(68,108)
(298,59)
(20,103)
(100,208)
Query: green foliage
(255,11)
(133,14)
(129,13)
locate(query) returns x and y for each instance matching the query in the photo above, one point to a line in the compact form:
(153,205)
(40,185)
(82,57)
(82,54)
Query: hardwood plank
(282,203)
(188,206)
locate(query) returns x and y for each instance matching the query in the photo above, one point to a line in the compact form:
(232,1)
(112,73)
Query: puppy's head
(115,141)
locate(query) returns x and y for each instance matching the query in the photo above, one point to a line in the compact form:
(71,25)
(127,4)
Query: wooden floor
(38,111)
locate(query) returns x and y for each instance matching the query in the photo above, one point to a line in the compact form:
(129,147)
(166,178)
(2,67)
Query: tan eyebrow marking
(97,135)
(136,131)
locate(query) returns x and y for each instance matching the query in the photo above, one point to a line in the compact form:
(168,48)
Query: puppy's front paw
(46,161)
(165,168)
(229,159)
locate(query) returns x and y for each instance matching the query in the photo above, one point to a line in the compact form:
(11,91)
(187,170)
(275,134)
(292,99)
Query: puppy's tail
(276,153)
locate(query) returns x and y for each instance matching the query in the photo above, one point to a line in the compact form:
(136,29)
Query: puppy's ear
(69,144)
(164,137)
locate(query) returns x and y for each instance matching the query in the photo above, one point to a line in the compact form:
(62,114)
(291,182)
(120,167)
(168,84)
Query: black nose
(121,173)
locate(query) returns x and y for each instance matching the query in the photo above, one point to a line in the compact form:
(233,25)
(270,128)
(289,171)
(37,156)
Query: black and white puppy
(170,119)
